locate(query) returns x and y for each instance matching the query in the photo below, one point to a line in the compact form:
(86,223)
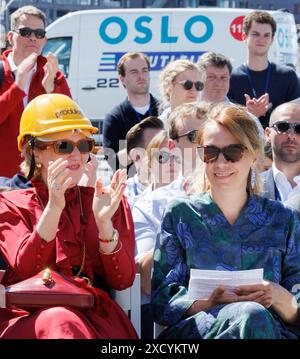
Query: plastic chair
(130,301)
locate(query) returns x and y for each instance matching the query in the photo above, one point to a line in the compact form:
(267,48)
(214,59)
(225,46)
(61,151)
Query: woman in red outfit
(78,231)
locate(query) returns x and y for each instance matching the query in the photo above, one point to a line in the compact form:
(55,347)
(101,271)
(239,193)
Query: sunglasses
(232,153)
(164,157)
(188,84)
(27,31)
(67,146)
(191,135)
(283,126)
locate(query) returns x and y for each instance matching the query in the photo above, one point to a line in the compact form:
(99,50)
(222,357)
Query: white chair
(157,330)
(2,290)
(130,301)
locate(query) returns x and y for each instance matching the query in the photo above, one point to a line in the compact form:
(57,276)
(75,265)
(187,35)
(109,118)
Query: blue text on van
(145,33)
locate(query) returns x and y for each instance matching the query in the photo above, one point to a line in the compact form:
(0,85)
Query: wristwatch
(114,237)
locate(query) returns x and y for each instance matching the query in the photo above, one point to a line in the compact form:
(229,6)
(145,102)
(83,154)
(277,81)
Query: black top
(283,86)
(119,121)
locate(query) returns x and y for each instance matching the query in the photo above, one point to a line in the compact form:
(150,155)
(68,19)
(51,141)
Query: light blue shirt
(147,216)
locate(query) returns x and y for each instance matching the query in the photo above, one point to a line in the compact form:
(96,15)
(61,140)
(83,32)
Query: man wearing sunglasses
(27,74)
(282,180)
(260,84)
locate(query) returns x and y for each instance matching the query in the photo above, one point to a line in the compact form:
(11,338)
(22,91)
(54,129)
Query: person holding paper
(226,226)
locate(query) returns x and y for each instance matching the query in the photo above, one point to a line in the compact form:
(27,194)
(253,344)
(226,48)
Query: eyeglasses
(164,157)
(232,153)
(284,126)
(66,146)
(27,31)
(188,84)
(191,135)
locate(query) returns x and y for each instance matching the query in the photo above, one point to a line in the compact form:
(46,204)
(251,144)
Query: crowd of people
(206,178)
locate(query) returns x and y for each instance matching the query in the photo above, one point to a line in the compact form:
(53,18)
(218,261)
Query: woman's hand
(58,182)
(107,199)
(221,295)
(266,289)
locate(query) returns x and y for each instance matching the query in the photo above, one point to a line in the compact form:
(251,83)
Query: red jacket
(11,108)
(27,254)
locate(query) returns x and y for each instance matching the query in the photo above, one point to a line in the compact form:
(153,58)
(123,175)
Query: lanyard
(277,194)
(251,82)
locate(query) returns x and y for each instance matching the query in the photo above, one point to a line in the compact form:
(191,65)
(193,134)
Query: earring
(253,178)
(38,165)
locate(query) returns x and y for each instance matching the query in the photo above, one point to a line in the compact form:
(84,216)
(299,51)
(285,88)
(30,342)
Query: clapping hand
(51,69)
(107,199)
(58,181)
(258,107)
(24,69)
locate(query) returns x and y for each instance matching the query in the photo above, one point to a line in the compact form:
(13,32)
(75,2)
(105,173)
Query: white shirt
(14,68)
(147,215)
(284,187)
(133,190)
(142,109)
(164,116)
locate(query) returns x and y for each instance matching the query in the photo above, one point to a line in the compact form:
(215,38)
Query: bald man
(282,180)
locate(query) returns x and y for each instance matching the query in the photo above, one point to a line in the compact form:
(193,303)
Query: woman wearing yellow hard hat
(79,232)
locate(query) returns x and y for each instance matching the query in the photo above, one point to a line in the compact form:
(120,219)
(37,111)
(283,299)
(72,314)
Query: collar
(11,62)
(12,65)
(279,175)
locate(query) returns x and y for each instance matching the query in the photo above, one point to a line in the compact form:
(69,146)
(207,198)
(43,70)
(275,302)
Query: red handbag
(48,289)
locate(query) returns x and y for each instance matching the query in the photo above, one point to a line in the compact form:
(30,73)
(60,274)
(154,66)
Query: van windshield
(61,48)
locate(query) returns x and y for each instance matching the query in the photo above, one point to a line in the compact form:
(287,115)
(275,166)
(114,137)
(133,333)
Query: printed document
(204,282)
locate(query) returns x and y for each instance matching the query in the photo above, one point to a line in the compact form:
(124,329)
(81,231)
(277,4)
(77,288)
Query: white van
(89,44)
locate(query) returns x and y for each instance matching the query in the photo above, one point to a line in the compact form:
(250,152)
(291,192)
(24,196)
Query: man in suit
(282,180)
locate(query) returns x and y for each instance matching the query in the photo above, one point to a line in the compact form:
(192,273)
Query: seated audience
(77,231)
(147,212)
(225,226)
(137,140)
(282,180)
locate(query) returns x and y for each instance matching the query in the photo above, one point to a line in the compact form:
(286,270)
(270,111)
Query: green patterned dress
(196,234)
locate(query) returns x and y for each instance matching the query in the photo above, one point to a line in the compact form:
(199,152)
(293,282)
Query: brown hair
(26,10)
(135,136)
(214,59)
(261,17)
(238,122)
(131,56)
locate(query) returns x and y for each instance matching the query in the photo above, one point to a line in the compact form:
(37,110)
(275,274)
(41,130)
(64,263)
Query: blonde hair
(169,74)
(238,122)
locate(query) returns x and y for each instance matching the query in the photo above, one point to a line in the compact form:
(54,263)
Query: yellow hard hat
(51,113)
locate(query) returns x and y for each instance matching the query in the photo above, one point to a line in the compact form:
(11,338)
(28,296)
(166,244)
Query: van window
(61,48)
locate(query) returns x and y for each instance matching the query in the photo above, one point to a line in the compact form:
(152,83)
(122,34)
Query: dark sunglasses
(191,135)
(188,84)
(164,157)
(27,31)
(283,126)
(231,153)
(67,146)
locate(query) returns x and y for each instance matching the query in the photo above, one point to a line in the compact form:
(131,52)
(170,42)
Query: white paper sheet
(204,282)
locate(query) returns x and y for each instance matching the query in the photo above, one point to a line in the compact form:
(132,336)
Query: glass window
(61,48)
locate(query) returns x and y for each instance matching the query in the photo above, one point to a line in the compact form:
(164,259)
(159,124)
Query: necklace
(81,215)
